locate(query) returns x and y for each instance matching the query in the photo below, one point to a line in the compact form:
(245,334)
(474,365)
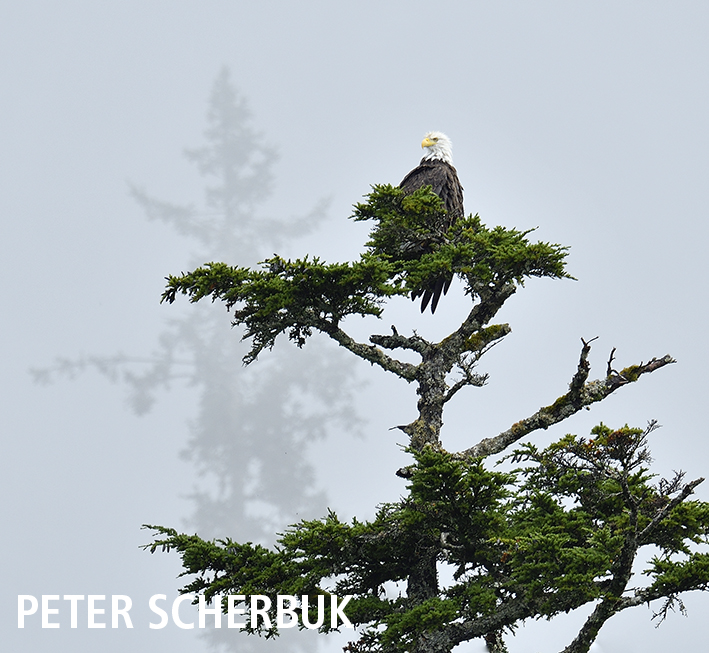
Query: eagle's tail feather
(433,293)
(440,286)
(449,280)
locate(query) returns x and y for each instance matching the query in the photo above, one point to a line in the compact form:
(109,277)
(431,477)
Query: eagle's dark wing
(443,179)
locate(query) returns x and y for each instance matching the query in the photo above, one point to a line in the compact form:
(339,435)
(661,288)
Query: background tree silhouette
(250,435)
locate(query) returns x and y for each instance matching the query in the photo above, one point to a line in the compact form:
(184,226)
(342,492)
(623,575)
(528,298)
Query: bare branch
(581,394)
(609,367)
(644,535)
(584,367)
(469,378)
(667,607)
(480,315)
(589,631)
(395,341)
(371,353)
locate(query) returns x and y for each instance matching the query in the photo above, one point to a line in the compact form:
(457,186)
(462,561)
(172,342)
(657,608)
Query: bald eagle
(436,170)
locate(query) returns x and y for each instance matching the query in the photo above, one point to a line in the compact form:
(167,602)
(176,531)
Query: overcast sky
(587,120)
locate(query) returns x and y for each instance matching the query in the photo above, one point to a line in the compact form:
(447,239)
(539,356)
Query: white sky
(586,119)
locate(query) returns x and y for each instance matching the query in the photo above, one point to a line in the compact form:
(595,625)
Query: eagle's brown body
(436,170)
(443,179)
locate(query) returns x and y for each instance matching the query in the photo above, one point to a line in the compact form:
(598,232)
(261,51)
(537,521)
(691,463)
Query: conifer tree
(561,530)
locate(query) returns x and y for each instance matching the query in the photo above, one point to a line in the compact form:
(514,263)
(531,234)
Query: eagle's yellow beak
(426,142)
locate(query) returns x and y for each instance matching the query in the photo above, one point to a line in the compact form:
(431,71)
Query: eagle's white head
(438,146)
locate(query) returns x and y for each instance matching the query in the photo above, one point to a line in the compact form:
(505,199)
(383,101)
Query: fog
(584,120)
